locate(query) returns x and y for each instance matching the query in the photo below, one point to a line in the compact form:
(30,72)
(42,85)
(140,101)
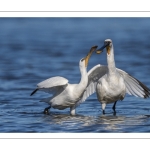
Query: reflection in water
(119,123)
(103,123)
(66,118)
(111,122)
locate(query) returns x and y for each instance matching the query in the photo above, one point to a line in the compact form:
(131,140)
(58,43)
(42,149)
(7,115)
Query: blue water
(34,49)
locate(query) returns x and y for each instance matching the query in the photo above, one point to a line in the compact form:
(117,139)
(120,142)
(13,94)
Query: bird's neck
(83,81)
(84,76)
(111,62)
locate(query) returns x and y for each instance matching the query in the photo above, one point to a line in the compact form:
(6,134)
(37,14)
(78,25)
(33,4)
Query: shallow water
(34,49)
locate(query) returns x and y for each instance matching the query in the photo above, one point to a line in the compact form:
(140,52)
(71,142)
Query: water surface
(34,49)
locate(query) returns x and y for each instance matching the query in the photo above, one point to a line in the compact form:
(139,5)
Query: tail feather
(33,92)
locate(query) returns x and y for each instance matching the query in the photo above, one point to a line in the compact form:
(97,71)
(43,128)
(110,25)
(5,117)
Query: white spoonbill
(65,94)
(110,83)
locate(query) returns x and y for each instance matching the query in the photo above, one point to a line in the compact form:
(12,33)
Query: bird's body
(107,89)
(111,87)
(65,94)
(110,83)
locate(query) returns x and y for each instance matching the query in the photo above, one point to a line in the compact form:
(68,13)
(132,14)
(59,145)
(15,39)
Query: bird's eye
(82,59)
(108,42)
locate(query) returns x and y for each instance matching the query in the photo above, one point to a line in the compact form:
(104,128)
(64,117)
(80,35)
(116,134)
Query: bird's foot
(46,111)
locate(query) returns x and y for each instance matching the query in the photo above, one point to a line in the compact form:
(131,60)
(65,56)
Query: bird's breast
(111,90)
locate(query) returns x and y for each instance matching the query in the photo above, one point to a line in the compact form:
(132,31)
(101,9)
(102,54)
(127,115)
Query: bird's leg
(114,107)
(103,112)
(46,110)
(103,107)
(114,113)
(73,110)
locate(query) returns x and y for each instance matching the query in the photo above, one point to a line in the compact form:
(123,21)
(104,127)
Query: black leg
(114,107)
(114,113)
(46,110)
(103,112)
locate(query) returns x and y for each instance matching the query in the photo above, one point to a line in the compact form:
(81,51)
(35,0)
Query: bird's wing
(52,85)
(52,82)
(134,86)
(93,76)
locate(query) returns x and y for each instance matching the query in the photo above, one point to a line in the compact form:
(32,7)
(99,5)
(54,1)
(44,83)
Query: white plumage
(110,83)
(65,94)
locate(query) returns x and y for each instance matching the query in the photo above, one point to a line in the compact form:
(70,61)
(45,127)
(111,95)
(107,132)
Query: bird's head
(107,44)
(84,61)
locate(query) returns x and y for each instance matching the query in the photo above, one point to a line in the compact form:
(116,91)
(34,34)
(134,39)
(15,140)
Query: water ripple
(34,49)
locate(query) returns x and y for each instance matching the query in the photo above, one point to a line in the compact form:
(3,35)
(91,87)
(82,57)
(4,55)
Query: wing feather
(52,85)
(137,87)
(52,82)
(94,75)
(131,89)
(134,86)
